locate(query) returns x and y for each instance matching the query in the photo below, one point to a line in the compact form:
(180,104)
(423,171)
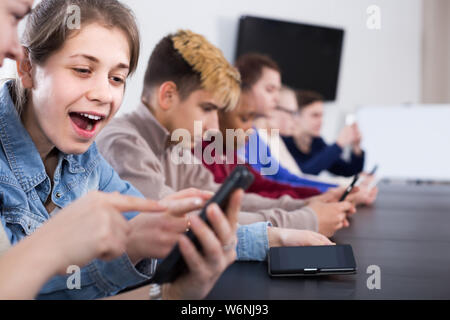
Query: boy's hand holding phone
(174,265)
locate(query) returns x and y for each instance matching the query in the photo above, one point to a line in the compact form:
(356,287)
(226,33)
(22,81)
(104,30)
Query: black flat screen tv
(309,56)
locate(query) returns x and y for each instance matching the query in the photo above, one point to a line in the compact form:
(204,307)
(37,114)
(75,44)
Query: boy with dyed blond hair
(187,81)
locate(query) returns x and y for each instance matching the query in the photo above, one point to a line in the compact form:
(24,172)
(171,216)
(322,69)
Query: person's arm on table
(155,225)
(255,240)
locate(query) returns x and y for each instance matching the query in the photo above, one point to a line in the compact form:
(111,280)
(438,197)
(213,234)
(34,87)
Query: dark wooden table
(406,233)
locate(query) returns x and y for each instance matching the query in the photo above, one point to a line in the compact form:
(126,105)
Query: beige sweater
(137,147)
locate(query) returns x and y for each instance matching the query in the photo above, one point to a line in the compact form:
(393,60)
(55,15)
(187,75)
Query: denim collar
(20,150)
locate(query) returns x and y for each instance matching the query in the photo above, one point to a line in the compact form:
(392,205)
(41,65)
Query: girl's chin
(75,147)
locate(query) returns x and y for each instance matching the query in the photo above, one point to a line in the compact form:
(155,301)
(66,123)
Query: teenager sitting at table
(262,77)
(59,199)
(312,154)
(187,81)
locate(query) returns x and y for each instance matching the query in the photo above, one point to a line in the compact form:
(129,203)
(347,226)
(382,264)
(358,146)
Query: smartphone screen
(311,260)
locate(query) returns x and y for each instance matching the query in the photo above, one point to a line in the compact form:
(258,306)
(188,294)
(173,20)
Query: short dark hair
(251,66)
(167,64)
(307,97)
(193,63)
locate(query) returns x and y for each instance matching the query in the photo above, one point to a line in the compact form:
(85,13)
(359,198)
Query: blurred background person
(312,154)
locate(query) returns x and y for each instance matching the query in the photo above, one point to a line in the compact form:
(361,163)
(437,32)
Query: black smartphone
(173,266)
(349,188)
(311,260)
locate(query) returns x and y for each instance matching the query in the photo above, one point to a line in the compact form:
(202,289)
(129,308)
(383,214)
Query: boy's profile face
(241,118)
(11,12)
(267,90)
(284,118)
(310,119)
(201,107)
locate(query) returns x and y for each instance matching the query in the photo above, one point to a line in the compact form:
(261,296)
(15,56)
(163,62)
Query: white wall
(436,52)
(415,152)
(378,67)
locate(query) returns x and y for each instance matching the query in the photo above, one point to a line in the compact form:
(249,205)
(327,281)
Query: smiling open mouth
(84,121)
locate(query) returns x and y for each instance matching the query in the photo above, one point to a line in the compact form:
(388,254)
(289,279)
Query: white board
(407,142)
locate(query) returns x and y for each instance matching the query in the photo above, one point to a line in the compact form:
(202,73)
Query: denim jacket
(25,187)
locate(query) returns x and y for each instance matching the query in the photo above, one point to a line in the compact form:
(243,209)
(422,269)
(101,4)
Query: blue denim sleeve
(253,242)
(100,278)
(111,182)
(97,280)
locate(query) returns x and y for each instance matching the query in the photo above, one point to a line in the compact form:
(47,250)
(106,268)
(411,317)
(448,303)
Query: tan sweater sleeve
(304,218)
(254,202)
(196,176)
(284,212)
(135,162)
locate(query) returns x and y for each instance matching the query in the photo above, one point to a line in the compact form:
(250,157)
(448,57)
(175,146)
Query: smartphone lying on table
(311,261)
